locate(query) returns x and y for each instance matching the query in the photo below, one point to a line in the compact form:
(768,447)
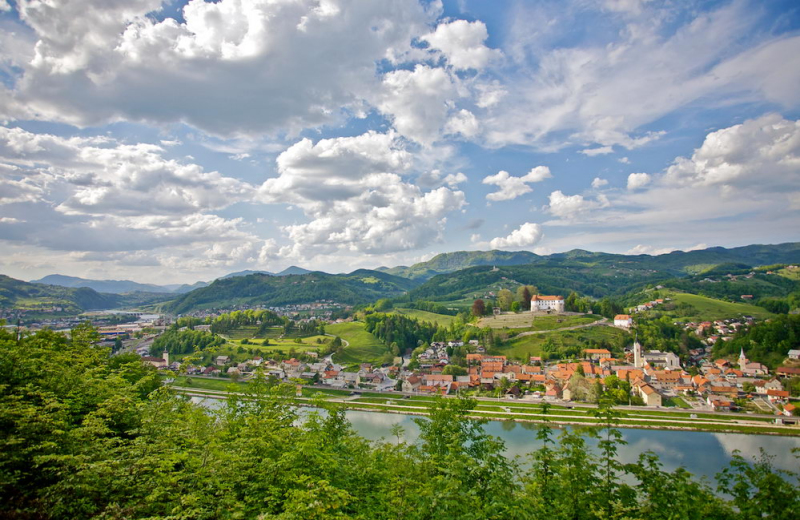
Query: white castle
(547,303)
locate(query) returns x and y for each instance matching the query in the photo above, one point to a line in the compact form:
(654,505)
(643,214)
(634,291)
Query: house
(623,320)
(596,353)
(649,395)
(794,354)
(155,361)
(777,396)
(718,404)
(547,303)
(221,360)
(412,383)
(787,372)
(788,409)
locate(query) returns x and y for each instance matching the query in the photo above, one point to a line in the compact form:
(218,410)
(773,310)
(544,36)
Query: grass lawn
(792,274)
(363,346)
(527,321)
(676,402)
(284,344)
(204,383)
(709,309)
(440,319)
(532,345)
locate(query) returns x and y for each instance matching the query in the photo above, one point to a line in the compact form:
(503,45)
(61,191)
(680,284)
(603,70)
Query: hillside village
(643,377)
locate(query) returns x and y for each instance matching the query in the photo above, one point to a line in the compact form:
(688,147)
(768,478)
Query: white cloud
(4,6)
(462,43)
(638,180)
(569,207)
(104,177)
(527,235)
(607,92)
(760,154)
(418,102)
(641,249)
(603,150)
(232,67)
(598,183)
(355,203)
(624,160)
(513,187)
(464,123)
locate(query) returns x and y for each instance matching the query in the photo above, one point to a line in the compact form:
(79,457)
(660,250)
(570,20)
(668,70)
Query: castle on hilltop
(547,303)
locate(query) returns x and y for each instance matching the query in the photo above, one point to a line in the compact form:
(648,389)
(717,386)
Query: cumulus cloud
(354,201)
(512,187)
(527,235)
(638,180)
(598,183)
(464,123)
(230,67)
(103,176)
(462,43)
(418,103)
(762,154)
(569,207)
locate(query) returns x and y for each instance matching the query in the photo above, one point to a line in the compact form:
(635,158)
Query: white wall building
(547,303)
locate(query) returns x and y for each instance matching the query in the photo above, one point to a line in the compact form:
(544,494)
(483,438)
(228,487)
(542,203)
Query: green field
(792,274)
(527,321)
(532,345)
(309,343)
(363,347)
(440,319)
(709,309)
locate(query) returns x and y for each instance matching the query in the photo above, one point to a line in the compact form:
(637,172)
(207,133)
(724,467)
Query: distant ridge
(101,286)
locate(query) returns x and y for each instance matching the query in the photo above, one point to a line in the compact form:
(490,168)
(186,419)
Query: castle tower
(638,362)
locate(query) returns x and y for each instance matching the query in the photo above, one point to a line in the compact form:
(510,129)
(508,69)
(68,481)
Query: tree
(515,307)
(478,308)
(504,299)
(454,370)
(383,305)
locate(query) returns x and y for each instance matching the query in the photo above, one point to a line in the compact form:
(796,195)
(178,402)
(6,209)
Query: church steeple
(742,359)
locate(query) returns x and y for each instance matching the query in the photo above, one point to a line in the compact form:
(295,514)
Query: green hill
(17,294)
(361,286)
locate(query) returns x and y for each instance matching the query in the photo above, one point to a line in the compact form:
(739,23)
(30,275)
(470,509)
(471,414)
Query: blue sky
(172,141)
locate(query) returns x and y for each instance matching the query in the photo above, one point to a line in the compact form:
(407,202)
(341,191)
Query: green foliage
(88,435)
(185,342)
(396,328)
(766,342)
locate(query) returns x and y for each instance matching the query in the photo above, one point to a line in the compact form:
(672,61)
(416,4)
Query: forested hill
(18,294)
(362,286)
(676,263)
(450,262)
(551,277)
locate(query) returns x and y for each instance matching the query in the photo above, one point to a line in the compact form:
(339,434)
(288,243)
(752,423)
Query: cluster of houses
(649,305)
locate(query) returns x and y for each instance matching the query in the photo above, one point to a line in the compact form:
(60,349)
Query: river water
(703,454)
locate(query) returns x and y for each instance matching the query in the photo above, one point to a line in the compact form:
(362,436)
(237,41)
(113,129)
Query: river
(701,453)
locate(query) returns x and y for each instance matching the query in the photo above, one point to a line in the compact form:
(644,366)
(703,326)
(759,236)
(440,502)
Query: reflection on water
(701,453)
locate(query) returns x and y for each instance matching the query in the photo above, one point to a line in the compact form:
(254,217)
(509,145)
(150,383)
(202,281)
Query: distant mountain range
(448,276)
(127,286)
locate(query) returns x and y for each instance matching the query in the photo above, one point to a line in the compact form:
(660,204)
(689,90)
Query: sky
(171,141)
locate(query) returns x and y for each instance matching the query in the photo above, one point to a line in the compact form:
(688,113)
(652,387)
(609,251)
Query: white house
(623,320)
(547,303)
(794,354)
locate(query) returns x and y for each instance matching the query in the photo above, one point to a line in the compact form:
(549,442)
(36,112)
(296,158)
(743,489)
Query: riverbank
(533,413)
